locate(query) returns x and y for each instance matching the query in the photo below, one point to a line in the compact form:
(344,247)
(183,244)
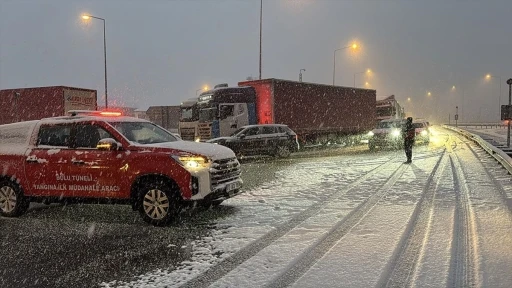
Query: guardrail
(497,153)
(479,125)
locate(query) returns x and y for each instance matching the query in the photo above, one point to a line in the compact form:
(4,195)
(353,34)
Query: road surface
(347,220)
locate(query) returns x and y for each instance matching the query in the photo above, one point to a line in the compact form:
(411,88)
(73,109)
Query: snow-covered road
(364,220)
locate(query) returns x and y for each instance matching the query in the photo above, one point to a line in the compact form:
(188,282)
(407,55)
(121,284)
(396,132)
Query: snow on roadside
(261,210)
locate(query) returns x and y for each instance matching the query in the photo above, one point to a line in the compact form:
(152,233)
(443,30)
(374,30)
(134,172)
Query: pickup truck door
(98,173)
(47,161)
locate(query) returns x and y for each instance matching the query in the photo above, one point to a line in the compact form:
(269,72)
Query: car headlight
(395,133)
(191,161)
(370,133)
(424,133)
(198,139)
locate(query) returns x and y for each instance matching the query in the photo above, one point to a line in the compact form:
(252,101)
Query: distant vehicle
(189,119)
(318,113)
(422,131)
(25,104)
(102,157)
(267,139)
(387,134)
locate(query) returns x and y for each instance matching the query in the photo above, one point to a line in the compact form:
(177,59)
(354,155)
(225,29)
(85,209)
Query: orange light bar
(110,113)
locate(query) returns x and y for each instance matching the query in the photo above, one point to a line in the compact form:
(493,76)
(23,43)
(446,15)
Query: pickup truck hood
(212,151)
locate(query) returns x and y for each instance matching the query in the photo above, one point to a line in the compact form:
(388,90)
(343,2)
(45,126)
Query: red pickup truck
(103,157)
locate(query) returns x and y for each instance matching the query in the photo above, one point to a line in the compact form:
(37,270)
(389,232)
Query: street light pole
(354,46)
(87,17)
(261,22)
(300,74)
(489,76)
(509,82)
(367,71)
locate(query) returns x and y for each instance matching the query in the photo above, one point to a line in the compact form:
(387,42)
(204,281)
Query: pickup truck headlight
(424,133)
(370,133)
(191,161)
(395,133)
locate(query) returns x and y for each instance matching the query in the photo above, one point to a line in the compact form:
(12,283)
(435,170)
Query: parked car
(99,157)
(387,134)
(266,139)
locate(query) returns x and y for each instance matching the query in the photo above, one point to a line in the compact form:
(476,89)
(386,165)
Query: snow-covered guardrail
(497,153)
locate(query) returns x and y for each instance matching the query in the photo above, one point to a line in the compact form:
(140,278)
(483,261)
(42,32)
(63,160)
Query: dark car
(267,139)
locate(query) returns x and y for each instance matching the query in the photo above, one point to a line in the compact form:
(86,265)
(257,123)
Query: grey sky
(159,52)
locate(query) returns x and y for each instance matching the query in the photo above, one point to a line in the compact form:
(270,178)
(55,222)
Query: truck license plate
(232,186)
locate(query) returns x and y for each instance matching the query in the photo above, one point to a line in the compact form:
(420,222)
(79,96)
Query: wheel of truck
(159,203)
(282,151)
(12,201)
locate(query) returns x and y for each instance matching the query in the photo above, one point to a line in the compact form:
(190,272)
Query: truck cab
(225,109)
(189,119)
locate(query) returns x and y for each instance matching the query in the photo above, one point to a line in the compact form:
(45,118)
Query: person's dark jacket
(408,132)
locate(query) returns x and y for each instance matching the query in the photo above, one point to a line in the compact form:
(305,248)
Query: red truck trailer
(25,104)
(318,113)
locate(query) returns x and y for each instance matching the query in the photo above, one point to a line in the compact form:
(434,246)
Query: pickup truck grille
(223,171)
(188,134)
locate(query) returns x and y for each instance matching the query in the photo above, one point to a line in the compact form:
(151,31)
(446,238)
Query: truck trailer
(26,104)
(318,113)
(167,117)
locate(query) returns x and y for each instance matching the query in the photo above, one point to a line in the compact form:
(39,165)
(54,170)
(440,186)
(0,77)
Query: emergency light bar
(94,113)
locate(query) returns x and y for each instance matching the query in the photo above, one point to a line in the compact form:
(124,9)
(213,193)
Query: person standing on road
(408,134)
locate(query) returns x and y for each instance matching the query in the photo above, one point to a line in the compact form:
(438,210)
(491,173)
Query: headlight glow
(370,133)
(198,139)
(190,161)
(395,133)
(424,133)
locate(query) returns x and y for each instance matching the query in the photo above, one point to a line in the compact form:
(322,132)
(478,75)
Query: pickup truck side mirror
(241,136)
(108,144)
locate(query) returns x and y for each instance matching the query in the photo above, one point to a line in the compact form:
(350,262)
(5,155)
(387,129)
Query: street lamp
(353,46)
(489,77)
(300,74)
(357,73)
(205,88)
(88,17)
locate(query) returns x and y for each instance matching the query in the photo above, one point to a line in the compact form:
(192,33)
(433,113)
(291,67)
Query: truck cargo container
(26,104)
(318,113)
(167,117)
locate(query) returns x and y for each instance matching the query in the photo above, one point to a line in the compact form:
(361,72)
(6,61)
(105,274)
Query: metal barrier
(479,125)
(498,154)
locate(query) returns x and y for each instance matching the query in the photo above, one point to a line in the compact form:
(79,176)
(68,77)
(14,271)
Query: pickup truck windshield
(143,132)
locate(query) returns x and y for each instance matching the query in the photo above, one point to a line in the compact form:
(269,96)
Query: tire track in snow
(322,246)
(221,269)
(464,263)
(407,255)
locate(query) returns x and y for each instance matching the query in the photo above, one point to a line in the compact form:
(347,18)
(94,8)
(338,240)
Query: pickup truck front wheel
(12,201)
(158,204)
